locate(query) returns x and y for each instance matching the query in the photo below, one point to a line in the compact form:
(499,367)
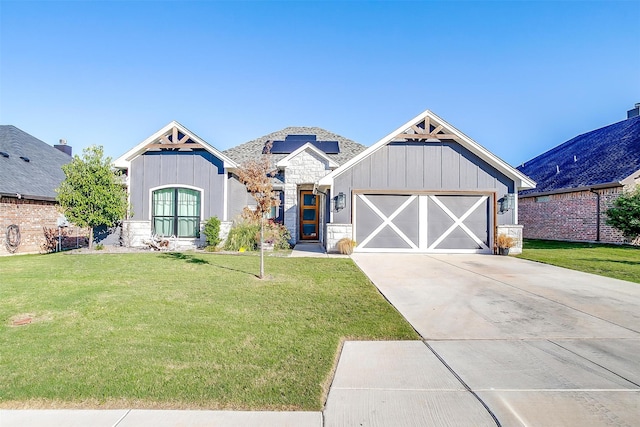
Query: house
(424,188)
(579,180)
(176,181)
(31,171)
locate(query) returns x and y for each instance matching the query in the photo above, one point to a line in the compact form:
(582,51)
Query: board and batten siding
(431,167)
(199,169)
(237,197)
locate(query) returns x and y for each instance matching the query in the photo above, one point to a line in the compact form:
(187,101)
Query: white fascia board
(284,162)
(521,181)
(125,160)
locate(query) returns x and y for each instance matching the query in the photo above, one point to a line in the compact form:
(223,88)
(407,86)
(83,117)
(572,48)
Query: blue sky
(518,77)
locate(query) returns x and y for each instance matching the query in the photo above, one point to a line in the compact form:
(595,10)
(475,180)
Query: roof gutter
(27,197)
(573,190)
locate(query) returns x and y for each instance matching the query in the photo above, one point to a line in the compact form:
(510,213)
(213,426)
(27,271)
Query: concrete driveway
(506,342)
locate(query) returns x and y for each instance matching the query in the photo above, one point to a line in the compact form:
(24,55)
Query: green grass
(619,262)
(181,330)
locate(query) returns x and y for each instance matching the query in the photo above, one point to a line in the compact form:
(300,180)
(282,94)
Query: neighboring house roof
(601,157)
(252,150)
(427,126)
(29,167)
(173,136)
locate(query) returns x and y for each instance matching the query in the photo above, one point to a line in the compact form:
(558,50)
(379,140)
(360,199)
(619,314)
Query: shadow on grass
(619,261)
(191,259)
(179,256)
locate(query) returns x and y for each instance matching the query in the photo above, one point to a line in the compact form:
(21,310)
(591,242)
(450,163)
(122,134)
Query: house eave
(124,161)
(612,184)
(27,197)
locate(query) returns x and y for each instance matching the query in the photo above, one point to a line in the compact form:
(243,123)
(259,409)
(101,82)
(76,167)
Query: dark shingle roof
(252,150)
(40,176)
(605,155)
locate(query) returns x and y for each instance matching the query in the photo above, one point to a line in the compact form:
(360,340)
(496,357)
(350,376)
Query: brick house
(579,180)
(30,172)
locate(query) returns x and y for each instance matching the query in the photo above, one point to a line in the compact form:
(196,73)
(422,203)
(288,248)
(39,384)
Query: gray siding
(199,169)
(406,167)
(237,197)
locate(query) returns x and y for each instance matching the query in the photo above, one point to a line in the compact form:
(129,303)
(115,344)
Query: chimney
(63,147)
(635,112)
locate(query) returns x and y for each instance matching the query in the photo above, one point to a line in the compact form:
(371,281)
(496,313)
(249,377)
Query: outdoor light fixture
(508,202)
(340,201)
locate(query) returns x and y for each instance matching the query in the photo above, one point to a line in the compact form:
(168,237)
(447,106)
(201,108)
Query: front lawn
(619,262)
(176,330)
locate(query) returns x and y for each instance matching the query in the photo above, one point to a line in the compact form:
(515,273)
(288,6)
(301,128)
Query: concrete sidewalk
(156,418)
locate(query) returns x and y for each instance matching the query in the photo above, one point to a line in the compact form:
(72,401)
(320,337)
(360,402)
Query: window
(176,212)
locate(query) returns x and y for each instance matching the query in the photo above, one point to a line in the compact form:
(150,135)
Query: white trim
(423,246)
(124,161)
(225,200)
(521,181)
(388,221)
(190,187)
(284,162)
(423,218)
(423,251)
(458,222)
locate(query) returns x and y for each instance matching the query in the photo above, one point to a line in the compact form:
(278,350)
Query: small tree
(625,214)
(90,194)
(256,176)
(212,231)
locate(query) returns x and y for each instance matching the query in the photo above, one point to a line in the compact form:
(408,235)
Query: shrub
(242,235)
(51,236)
(276,234)
(346,245)
(212,231)
(246,234)
(505,241)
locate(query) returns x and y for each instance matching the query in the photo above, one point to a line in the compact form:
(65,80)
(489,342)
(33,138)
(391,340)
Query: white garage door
(452,223)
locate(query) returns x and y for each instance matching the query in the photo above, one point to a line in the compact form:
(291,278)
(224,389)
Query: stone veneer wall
(569,216)
(135,233)
(305,168)
(515,232)
(335,232)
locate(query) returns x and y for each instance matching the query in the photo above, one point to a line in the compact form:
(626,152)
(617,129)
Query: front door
(308,215)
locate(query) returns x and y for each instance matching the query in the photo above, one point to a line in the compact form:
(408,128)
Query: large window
(176,212)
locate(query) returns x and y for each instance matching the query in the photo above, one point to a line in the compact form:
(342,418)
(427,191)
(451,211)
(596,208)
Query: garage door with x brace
(453,223)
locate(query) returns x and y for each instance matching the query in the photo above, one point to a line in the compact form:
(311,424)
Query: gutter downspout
(597,213)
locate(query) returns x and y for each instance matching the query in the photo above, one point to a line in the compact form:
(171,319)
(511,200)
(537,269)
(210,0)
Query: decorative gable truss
(173,139)
(425,130)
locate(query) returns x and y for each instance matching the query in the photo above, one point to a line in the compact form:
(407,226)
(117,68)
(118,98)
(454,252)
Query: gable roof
(427,126)
(36,178)
(173,136)
(603,156)
(252,150)
(307,147)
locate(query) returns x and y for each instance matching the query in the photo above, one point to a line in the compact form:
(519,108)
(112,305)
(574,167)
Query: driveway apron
(527,344)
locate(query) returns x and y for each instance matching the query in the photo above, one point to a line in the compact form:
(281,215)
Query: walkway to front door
(308,215)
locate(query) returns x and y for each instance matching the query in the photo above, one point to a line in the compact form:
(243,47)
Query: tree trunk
(262,246)
(90,237)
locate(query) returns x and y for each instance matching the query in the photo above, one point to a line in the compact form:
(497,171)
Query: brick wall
(569,216)
(31,216)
